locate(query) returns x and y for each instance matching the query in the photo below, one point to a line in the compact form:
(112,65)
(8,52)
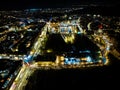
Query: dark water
(87,78)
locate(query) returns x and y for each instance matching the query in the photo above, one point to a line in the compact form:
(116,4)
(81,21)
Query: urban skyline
(45,47)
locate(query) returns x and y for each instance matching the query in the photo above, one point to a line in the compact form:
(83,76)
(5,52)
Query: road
(21,80)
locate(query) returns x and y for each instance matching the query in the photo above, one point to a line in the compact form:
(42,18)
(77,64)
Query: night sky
(23,4)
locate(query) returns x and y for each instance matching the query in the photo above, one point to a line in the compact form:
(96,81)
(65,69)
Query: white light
(89,59)
(0,57)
